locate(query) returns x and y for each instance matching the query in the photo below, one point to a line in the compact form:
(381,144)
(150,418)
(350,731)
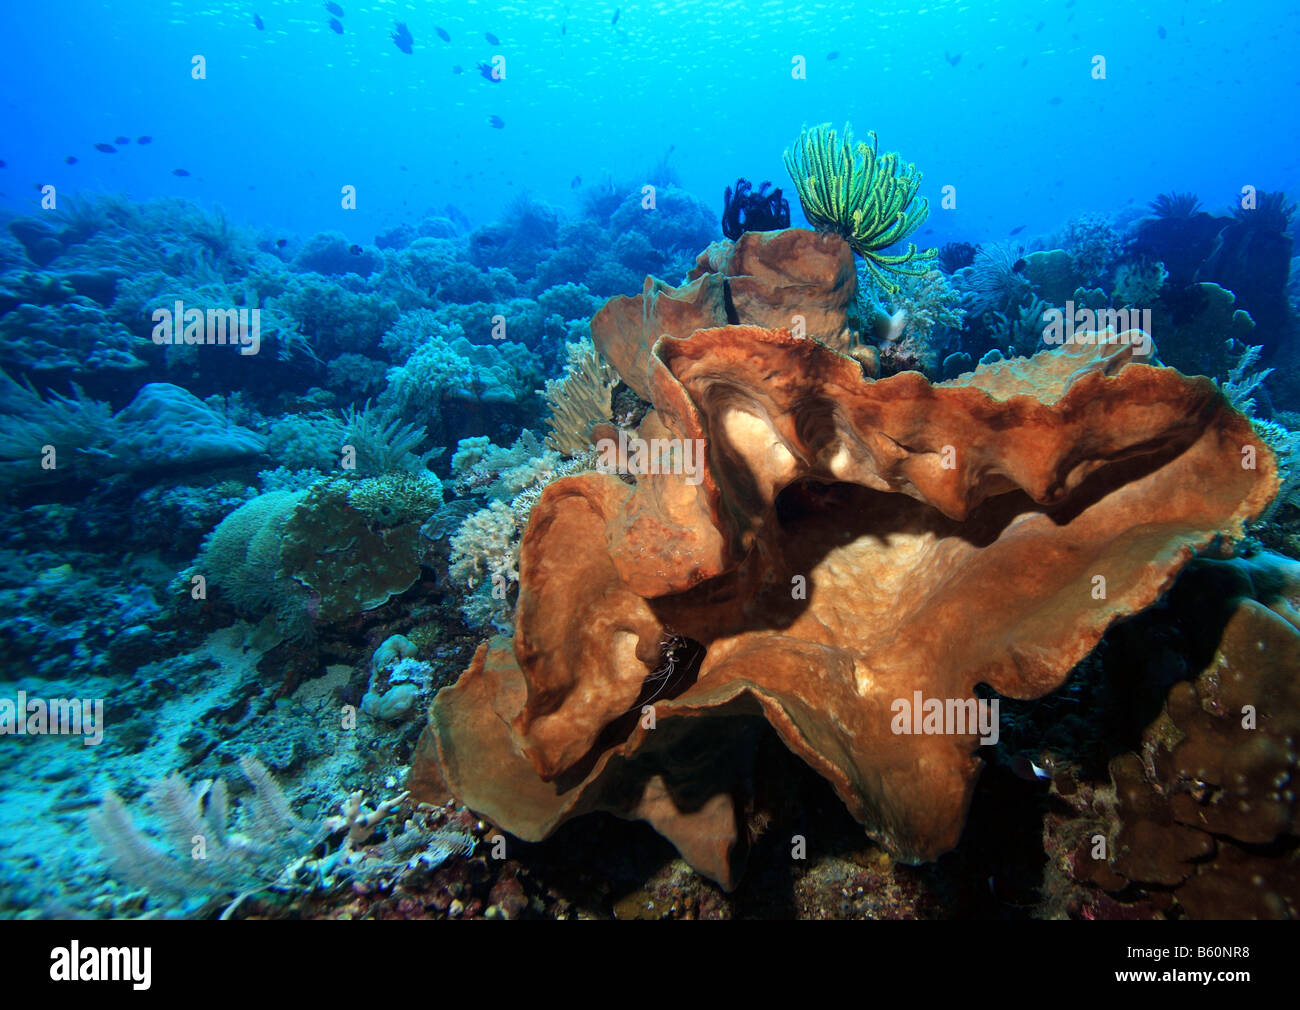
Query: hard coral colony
(482,568)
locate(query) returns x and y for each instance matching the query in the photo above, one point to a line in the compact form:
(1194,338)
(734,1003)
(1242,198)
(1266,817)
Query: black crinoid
(1272,212)
(955,255)
(1175,205)
(745,210)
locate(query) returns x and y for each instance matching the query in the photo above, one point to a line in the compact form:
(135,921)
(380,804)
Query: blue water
(288,115)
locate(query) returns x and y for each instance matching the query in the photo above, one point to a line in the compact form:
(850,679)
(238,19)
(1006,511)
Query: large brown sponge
(848,542)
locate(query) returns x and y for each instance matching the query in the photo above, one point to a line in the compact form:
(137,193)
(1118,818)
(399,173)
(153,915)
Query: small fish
(442,34)
(402,37)
(335,26)
(1017,229)
(257,23)
(457,69)
(106,148)
(564,28)
(1054,101)
(2,164)
(70,159)
(1041,26)
(577,181)
(354,249)
(180,171)
(121,141)
(485,71)
(144,140)
(1026,769)
(334,9)
(834,54)
(496,122)
(1160,30)
(1024,63)
(614,19)
(952,60)
(492,39)
(280,243)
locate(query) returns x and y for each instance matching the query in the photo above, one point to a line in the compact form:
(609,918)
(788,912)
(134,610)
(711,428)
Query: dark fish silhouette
(2,164)
(1017,229)
(144,140)
(1054,101)
(70,160)
(457,69)
(1160,30)
(257,23)
(1028,770)
(834,54)
(106,148)
(952,60)
(1041,26)
(334,9)
(354,249)
(1024,63)
(335,26)
(121,141)
(180,171)
(614,19)
(577,181)
(485,71)
(564,28)
(492,39)
(402,37)
(280,243)
(442,34)
(496,122)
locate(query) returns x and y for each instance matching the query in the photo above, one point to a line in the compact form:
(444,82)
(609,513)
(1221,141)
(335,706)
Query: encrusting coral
(832,552)
(868,198)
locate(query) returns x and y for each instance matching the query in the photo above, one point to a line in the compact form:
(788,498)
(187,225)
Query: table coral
(835,554)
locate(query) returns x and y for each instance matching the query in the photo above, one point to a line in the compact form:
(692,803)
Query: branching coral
(928,303)
(1094,246)
(867,198)
(1023,332)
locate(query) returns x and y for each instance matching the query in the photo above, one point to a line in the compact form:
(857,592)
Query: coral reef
(286,555)
(810,560)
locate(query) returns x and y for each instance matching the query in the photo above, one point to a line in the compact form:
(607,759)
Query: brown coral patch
(847,544)
(762,279)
